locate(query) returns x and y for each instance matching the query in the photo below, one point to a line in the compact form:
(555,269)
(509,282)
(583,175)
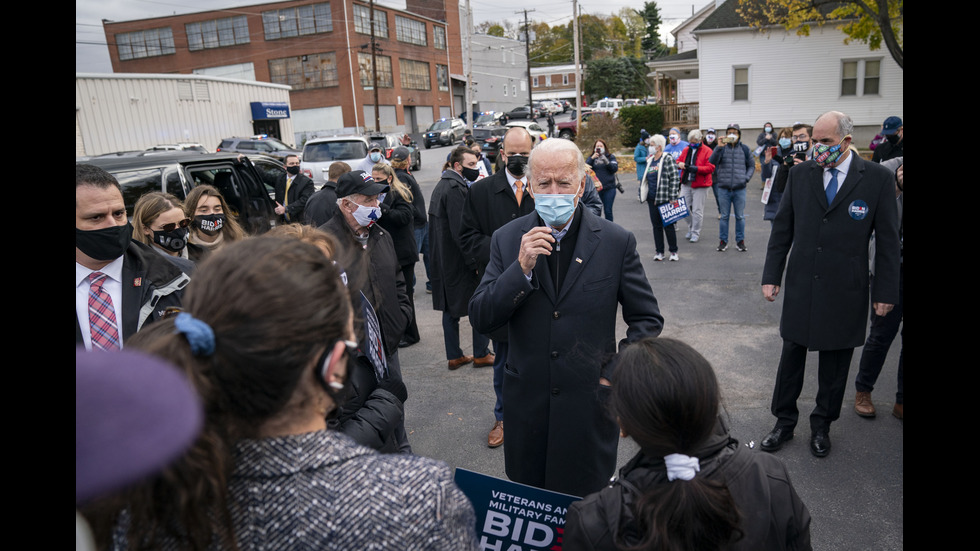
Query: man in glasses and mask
(120,284)
(555,280)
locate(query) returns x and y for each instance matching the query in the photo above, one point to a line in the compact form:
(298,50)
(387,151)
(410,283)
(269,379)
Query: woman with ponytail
(265,336)
(691,486)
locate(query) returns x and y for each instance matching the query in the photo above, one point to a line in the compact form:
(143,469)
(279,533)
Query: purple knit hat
(134,414)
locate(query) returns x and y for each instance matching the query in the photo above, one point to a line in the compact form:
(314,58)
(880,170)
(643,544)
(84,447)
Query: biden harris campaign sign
(512,516)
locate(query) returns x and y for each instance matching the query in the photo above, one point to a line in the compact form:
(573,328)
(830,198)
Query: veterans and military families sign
(512,516)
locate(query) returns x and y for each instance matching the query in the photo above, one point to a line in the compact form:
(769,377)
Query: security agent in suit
(293,190)
(831,206)
(555,279)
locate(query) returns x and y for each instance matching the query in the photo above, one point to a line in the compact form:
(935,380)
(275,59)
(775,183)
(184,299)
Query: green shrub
(601,126)
(637,117)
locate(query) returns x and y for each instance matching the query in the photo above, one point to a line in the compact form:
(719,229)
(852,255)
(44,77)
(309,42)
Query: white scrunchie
(681,466)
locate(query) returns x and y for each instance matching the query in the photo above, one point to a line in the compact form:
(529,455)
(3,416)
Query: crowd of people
(289,341)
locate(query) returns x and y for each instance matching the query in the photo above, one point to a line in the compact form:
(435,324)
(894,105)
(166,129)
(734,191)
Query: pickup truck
(568,130)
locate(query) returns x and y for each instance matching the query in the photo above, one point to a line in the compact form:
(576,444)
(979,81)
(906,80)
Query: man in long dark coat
(556,278)
(453,276)
(831,206)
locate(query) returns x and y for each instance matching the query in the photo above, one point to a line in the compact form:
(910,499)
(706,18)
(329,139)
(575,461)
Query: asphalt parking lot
(713,301)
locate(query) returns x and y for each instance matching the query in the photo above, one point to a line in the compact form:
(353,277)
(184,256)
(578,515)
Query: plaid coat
(667,185)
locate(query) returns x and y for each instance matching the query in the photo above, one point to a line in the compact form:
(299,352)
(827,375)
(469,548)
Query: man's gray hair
(845,125)
(556,146)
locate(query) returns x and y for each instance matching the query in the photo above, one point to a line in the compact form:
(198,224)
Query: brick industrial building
(319,47)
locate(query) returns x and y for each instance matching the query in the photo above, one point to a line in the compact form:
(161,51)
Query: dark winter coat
(825,295)
(453,275)
(562,341)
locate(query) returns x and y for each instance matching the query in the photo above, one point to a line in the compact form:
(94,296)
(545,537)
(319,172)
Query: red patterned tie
(101,315)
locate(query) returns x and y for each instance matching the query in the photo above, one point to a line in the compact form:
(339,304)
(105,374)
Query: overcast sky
(92,55)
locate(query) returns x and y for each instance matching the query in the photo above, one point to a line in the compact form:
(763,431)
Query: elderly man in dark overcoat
(830,209)
(555,280)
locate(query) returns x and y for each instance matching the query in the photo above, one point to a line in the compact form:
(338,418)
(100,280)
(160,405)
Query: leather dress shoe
(484,361)
(863,405)
(899,411)
(405,343)
(459,362)
(496,437)
(775,439)
(820,444)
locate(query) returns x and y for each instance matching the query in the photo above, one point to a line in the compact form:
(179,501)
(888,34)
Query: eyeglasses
(173,226)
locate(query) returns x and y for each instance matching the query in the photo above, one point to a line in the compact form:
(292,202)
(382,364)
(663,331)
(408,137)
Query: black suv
(262,143)
(444,132)
(247,185)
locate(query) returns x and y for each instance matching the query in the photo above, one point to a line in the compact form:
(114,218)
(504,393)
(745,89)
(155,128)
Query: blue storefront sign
(263,110)
(512,516)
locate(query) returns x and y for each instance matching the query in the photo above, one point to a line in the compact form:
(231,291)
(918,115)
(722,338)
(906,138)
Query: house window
(362,21)
(547,81)
(740,78)
(385,79)
(410,30)
(860,77)
(217,33)
(514,87)
(505,90)
(442,77)
(305,72)
(415,74)
(302,20)
(564,79)
(439,37)
(534,82)
(148,43)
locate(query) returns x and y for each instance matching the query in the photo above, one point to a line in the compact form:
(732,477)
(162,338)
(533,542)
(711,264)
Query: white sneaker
(695,239)
(658,257)
(688,235)
(673,257)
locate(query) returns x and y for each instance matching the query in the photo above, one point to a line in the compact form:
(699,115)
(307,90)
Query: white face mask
(599,149)
(366,216)
(731,137)
(674,138)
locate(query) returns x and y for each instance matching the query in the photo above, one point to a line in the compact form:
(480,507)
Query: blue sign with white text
(263,110)
(512,516)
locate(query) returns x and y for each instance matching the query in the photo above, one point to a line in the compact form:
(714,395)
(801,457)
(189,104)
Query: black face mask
(210,224)
(104,244)
(892,138)
(173,241)
(517,164)
(801,146)
(294,170)
(470,174)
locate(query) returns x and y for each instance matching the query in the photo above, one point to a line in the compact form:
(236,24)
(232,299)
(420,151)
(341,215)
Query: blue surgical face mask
(555,208)
(785,143)
(375,157)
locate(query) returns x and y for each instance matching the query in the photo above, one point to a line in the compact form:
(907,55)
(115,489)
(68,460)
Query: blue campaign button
(858,209)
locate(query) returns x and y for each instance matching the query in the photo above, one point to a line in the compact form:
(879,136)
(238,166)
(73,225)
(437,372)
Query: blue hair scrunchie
(199,334)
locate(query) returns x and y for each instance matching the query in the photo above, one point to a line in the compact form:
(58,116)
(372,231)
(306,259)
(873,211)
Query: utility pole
(374,71)
(527,54)
(468,108)
(578,72)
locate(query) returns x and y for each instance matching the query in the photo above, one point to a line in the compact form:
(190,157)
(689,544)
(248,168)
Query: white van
(609,105)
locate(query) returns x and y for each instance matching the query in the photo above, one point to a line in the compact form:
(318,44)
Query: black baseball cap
(359,182)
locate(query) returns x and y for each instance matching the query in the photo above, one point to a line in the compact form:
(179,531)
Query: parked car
(246,184)
(320,153)
(487,118)
(262,143)
(444,132)
(532,127)
(391,141)
(183,146)
(524,112)
(491,139)
(568,130)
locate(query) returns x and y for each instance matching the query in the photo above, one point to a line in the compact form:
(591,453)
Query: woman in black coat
(605,166)
(398,216)
(691,486)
